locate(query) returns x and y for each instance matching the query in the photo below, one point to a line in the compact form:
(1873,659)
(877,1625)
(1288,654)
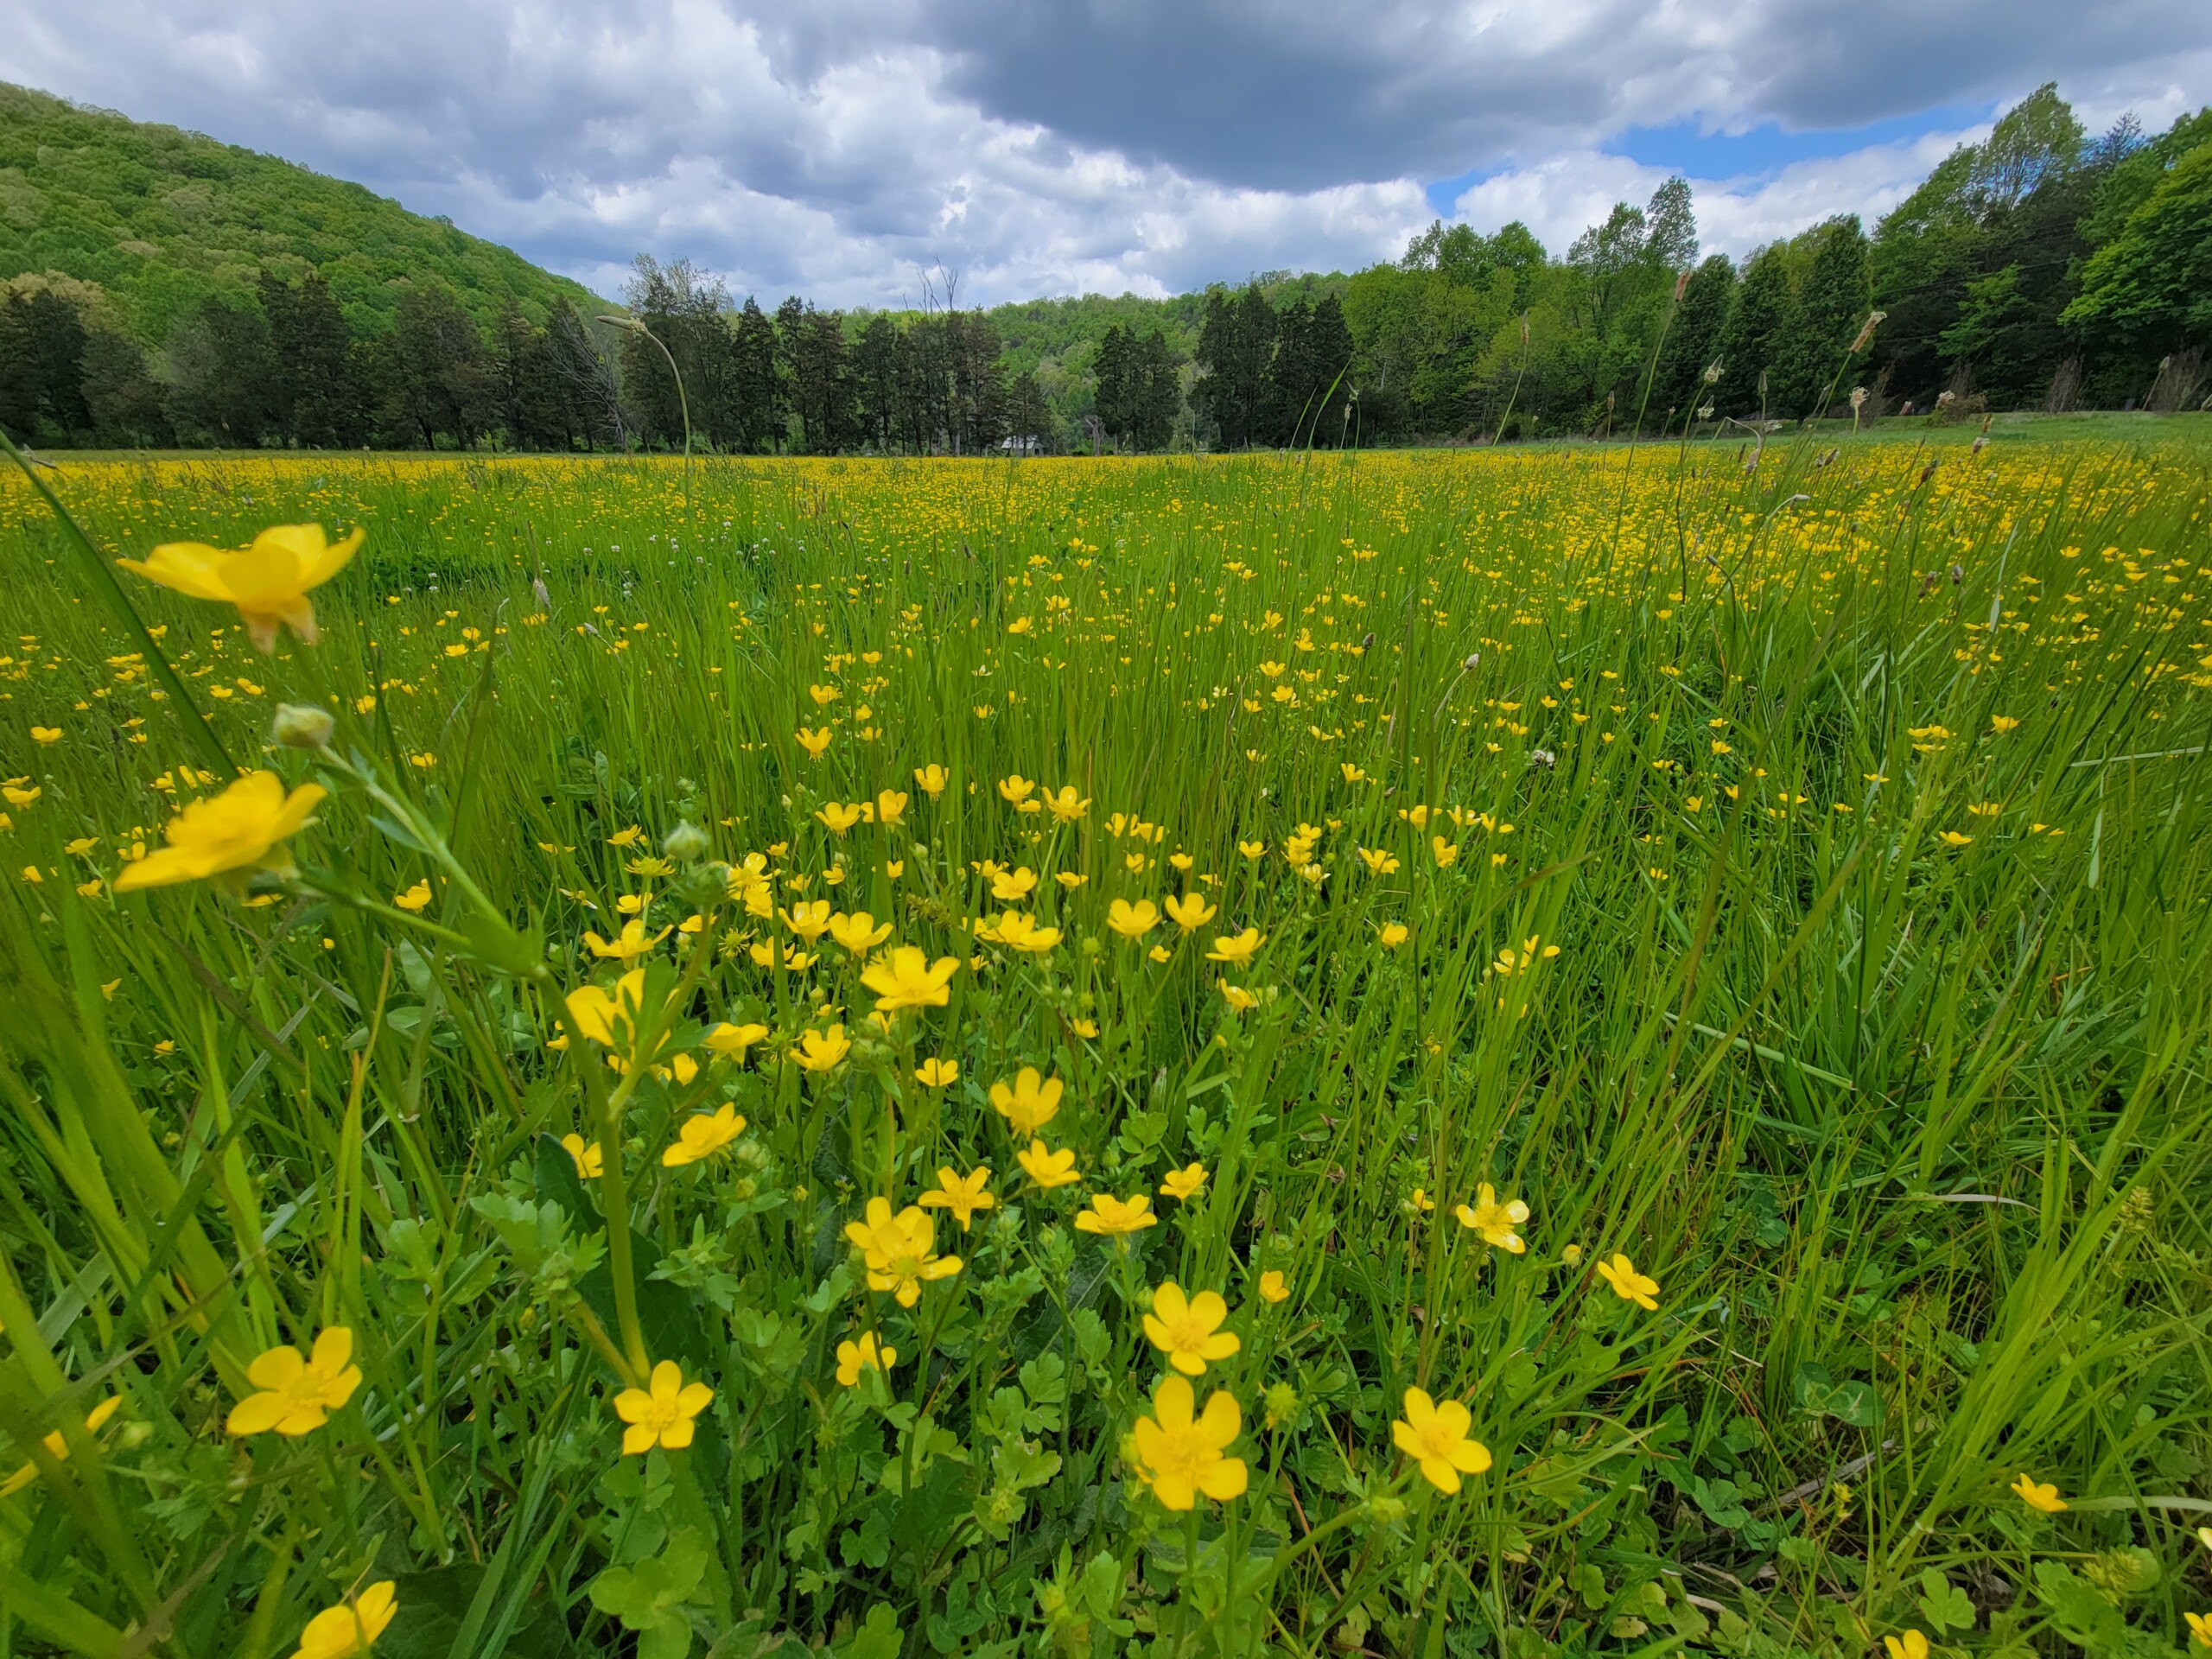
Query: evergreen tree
(1158,386)
(684,313)
(1028,417)
(590,401)
(326,404)
(1832,306)
(1118,392)
(222,371)
(1759,330)
(756,389)
(447,386)
(820,383)
(121,398)
(875,384)
(1235,345)
(1694,339)
(41,367)
(976,384)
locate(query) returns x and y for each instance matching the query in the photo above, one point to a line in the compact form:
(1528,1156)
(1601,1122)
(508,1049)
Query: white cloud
(843,149)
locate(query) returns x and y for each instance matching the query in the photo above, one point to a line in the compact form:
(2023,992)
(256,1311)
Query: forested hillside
(162,289)
(162,219)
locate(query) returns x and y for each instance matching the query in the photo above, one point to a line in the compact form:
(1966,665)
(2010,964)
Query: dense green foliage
(162,219)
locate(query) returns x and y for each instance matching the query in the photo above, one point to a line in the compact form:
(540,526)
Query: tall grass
(1862,802)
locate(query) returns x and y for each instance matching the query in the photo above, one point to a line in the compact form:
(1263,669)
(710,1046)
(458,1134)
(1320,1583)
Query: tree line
(2041,268)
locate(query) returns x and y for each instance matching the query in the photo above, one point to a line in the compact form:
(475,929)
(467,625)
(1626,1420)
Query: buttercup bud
(687,843)
(301,725)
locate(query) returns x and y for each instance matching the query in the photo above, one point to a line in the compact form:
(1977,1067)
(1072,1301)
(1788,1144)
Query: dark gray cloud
(845,148)
(1297,96)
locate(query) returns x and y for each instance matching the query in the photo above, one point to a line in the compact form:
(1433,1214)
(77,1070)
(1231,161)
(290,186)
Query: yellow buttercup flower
(1272,1288)
(701,1135)
(890,806)
(1116,1217)
(231,834)
(1066,806)
(814,742)
(1017,791)
(1018,931)
(1393,934)
(43,734)
(661,1413)
(350,1629)
(2200,1627)
(863,1355)
(1628,1284)
(1180,1454)
(1446,852)
(1496,1221)
(1030,1103)
(819,1051)
(1911,1645)
(937,1074)
(1048,1168)
(859,933)
(297,1395)
(1190,912)
(627,946)
(416,898)
(1237,949)
(1183,1183)
(1132,921)
(911,979)
(611,1018)
(2039,1494)
(962,1194)
(1378,862)
(590,1163)
(932,779)
(809,920)
(840,818)
(267,581)
(1435,1437)
(1188,1329)
(1239,1000)
(899,1250)
(729,1042)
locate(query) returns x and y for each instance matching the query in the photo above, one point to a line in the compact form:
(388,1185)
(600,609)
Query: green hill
(160,219)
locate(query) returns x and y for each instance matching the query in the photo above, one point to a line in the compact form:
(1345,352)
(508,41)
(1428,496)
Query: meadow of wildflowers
(1513,1054)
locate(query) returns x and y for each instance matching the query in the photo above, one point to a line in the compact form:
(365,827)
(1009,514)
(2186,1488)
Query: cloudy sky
(843,149)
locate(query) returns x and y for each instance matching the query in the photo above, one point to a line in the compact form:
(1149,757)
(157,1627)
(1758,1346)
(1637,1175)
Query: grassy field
(1702,973)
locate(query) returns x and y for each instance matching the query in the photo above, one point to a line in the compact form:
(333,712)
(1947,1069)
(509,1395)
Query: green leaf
(1721,1501)
(1943,1605)
(643,1595)
(878,1637)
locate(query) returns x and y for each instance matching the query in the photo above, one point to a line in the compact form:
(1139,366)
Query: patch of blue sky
(1688,148)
